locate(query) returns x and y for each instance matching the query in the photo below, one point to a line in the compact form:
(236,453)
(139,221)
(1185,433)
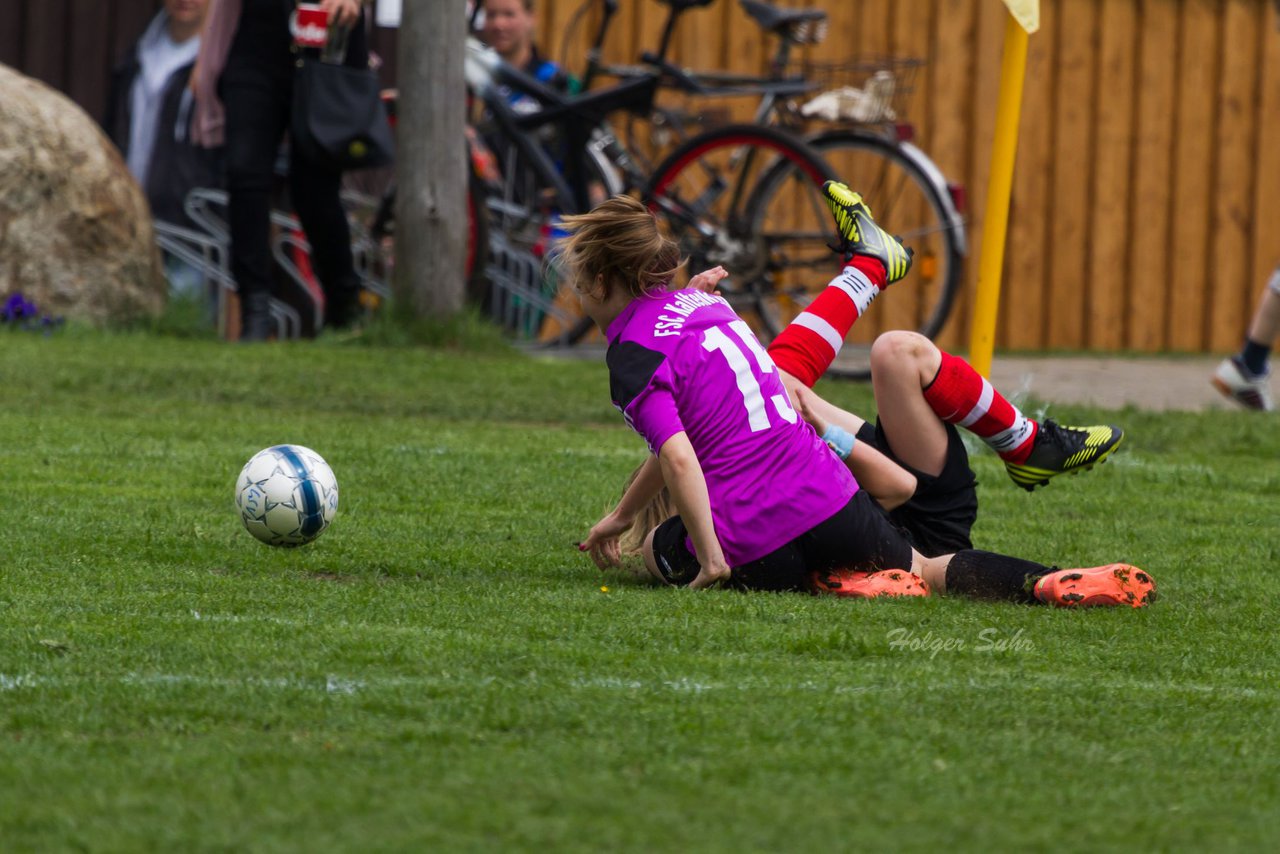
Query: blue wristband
(839,441)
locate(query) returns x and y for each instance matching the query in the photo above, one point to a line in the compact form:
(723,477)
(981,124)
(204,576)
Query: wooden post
(431,165)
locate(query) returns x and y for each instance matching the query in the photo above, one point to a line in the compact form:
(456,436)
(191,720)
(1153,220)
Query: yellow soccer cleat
(1059,450)
(860,235)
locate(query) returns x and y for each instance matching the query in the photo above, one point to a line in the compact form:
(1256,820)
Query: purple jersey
(683,361)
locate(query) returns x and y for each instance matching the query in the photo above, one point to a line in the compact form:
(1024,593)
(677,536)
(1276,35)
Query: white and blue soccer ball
(287,495)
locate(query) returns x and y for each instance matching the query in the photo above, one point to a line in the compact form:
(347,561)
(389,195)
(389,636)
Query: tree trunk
(431,165)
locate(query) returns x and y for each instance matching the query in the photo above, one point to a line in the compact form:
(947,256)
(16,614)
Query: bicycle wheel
(704,192)
(908,195)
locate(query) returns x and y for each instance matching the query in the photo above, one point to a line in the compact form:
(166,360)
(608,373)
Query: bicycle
(369,196)
(868,145)
(705,192)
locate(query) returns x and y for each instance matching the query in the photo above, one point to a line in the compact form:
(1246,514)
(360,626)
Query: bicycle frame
(700,193)
(772,89)
(775,92)
(577,117)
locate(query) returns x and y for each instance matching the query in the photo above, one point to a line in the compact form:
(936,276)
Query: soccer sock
(988,575)
(962,396)
(811,342)
(1254,356)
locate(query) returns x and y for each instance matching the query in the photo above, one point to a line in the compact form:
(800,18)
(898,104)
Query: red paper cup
(309,25)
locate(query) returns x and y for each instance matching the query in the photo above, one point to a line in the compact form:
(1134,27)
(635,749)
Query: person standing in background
(243,84)
(149,117)
(1246,376)
(508,28)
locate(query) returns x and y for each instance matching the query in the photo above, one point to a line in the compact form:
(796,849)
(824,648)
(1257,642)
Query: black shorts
(857,536)
(940,515)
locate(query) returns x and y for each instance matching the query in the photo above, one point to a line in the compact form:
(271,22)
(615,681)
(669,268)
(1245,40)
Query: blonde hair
(657,511)
(653,514)
(619,242)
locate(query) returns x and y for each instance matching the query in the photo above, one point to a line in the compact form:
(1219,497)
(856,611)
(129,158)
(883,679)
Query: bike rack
(517,298)
(207,249)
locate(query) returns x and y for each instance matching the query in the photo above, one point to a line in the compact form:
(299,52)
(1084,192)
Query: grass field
(443,671)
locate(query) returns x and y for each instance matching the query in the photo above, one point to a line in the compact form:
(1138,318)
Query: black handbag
(339,121)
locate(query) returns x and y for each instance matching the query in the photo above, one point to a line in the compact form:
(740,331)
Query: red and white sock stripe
(963,397)
(809,344)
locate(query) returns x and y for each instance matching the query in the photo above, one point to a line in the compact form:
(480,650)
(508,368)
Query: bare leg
(1246,376)
(887,482)
(1265,325)
(982,574)
(902,364)
(932,570)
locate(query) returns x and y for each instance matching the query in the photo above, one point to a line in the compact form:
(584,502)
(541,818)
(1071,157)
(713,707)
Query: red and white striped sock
(962,396)
(809,344)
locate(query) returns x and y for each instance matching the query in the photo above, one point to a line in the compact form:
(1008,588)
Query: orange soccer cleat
(853,584)
(1113,584)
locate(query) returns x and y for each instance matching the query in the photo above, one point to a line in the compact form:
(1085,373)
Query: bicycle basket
(865,91)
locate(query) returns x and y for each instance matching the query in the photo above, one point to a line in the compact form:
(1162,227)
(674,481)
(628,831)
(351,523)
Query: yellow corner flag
(1024,18)
(1026,13)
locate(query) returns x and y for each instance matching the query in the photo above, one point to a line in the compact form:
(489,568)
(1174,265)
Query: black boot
(342,308)
(256,323)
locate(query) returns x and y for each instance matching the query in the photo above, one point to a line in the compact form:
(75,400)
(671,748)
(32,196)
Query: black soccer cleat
(859,234)
(1059,450)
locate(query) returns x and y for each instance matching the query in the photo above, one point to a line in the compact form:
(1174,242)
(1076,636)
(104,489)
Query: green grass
(443,671)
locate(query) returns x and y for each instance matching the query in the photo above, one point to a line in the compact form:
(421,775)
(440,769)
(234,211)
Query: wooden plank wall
(1146,199)
(72,44)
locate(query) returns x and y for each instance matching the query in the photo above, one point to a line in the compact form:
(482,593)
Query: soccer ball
(287,495)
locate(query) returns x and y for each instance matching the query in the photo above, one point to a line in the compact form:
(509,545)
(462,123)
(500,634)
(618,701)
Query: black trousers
(257,89)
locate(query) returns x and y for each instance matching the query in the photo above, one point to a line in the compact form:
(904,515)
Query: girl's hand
(602,541)
(803,400)
(708,280)
(344,13)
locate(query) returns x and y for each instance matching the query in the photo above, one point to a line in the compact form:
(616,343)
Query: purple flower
(22,313)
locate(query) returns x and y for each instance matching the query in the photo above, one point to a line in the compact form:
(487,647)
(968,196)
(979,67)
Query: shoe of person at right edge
(1116,584)
(859,234)
(1251,392)
(1059,449)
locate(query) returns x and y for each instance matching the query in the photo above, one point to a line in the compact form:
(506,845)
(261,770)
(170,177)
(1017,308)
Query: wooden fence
(1146,200)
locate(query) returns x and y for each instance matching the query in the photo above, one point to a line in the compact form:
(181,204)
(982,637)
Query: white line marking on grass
(288,622)
(683,685)
(14,683)
(596,453)
(330,685)
(252,618)
(337,685)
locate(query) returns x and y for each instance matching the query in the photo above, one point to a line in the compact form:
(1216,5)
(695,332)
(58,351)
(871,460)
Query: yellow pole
(995,220)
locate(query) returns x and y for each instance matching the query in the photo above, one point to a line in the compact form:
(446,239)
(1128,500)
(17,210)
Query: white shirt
(158,56)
